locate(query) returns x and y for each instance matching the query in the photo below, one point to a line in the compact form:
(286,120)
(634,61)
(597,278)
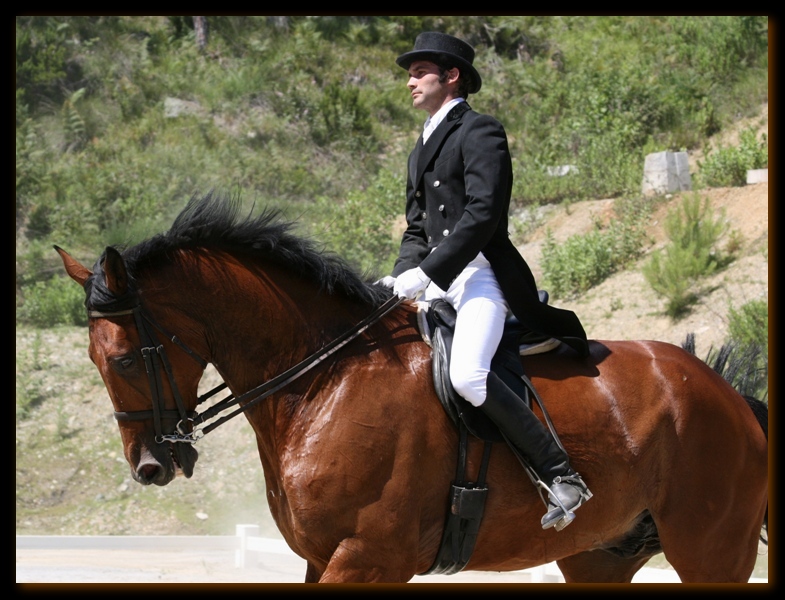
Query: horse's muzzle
(170,461)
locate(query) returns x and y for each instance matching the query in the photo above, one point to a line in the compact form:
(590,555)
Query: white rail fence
(248,547)
(250,544)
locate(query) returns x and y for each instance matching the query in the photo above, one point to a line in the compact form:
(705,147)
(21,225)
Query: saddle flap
(506,364)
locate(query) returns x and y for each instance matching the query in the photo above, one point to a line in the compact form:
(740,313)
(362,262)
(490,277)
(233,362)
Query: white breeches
(481,312)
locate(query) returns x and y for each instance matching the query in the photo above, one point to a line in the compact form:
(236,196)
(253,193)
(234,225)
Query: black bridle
(156,362)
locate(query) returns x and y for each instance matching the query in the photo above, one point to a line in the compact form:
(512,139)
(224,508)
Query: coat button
(430,239)
(436,183)
(418,193)
(441,208)
(424,215)
(446,232)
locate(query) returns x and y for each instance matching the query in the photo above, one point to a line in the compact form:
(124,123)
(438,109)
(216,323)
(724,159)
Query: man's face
(428,93)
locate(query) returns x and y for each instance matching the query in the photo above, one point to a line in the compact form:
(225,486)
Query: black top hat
(435,46)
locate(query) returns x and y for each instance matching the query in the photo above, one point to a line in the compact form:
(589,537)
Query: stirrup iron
(568,515)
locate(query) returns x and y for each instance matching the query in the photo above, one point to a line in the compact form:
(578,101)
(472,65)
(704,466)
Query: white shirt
(432,123)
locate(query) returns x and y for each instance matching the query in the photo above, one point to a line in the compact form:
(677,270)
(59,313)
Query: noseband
(156,361)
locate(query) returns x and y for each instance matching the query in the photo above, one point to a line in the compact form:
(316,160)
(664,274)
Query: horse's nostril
(147,472)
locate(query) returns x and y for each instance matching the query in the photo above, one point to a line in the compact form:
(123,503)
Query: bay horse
(358,453)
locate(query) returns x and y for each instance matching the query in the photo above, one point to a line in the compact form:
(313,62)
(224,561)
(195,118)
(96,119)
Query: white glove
(410,284)
(388,281)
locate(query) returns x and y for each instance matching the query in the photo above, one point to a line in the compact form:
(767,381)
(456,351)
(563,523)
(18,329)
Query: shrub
(728,166)
(584,261)
(58,301)
(360,229)
(672,274)
(692,254)
(749,325)
(343,114)
(748,329)
(576,265)
(41,56)
(29,389)
(32,173)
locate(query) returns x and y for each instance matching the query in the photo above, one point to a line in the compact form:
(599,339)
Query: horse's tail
(741,368)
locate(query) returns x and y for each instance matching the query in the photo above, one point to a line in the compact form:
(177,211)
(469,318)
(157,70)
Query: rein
(156,361)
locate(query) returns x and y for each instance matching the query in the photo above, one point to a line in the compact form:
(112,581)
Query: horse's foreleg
(598,566)
(356,561)
(312,574)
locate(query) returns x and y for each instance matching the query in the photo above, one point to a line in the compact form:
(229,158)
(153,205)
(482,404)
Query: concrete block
(757,176)
(666,172)
(561,170)
(683,171)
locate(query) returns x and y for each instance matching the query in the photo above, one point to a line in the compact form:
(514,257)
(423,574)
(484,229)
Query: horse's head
(151,381)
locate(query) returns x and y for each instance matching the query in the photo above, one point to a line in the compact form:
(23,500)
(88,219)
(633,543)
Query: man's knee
(470,386)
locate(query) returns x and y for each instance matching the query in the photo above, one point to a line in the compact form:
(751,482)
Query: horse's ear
(114,271)
(77,271)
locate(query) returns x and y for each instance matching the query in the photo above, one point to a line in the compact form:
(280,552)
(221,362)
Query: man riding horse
(456,247)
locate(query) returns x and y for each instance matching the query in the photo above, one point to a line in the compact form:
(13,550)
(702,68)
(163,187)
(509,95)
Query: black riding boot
(534,445)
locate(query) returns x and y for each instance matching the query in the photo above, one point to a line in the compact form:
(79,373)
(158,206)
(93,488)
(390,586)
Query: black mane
(213,223)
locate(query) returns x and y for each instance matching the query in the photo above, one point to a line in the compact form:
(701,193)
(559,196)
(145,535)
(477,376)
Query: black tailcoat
(457,202)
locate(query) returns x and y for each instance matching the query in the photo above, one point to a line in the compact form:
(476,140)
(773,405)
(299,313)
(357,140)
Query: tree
(200,27)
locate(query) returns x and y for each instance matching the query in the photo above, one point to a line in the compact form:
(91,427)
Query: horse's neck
(259,326)
(265,343)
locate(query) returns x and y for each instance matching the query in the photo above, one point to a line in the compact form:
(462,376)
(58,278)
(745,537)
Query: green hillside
(119,120)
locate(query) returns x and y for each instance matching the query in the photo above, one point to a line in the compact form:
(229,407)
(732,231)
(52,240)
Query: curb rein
(155,361)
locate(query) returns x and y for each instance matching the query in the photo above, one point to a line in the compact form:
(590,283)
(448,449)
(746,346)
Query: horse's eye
(124,363)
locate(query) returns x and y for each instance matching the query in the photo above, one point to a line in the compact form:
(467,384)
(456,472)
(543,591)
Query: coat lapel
(424,153)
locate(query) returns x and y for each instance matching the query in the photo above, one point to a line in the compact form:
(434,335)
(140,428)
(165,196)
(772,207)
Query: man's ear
(453,74)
